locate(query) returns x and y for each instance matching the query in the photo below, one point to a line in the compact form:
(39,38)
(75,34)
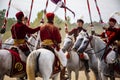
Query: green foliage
(10,22)
(2,14)
(36,22)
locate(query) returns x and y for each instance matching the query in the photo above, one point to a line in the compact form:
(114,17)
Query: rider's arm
(57,36)
(72,31)
(30,30)
(111,38)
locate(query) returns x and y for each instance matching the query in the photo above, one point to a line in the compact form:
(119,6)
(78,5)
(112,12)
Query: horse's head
(90,43)
(79,40)
(68,42)
(84,44)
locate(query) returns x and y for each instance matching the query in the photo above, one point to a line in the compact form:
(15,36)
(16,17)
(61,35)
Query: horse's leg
(1,77)
(96,74)
(45,78)
(55,78)
(69,74)
(87,75)
(112,78)
(104,77)
(76,74)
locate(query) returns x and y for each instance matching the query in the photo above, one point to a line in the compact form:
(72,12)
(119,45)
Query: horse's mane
(98,38)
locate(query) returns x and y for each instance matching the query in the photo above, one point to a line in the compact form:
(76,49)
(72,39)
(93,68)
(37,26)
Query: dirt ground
(81,77)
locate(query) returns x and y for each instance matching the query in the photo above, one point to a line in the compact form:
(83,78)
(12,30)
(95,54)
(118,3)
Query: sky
(107,8)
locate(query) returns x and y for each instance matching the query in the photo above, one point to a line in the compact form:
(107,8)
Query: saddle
(23,47)
(18,66)
(56,65)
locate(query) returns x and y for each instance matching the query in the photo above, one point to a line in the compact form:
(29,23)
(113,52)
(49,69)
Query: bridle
(90,39)
(69,49)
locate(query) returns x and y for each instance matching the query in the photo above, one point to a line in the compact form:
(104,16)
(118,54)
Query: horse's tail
(31,65)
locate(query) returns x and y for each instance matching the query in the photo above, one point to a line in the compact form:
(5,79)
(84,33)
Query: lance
(98,11)
(46,6)
(89,11)
(45,10)
(30,12)
(65,13)
(2,31)
(6,17)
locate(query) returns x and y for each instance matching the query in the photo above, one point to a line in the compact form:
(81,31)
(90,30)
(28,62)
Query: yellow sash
(47,42)
(19,41)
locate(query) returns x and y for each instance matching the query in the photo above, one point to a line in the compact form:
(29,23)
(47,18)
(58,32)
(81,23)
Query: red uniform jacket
(50,31)
(19,30)
(110,32)
(115,36)
(76,31)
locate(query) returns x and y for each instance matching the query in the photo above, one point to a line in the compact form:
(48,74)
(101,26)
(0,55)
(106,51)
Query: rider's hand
(66,30)
(2,31)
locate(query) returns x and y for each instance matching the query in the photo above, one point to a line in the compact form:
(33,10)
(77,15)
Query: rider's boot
(81,55)
(86,65)
(62,74)
(27,53)
(111,67)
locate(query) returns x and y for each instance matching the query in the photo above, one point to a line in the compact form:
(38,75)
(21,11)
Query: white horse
(10,42)
(41,62)
(7,43)
(74,63)
(98,45)
(6,63)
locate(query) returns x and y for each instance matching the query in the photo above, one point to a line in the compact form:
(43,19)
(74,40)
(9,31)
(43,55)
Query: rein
(69,49)
(70,38)
(92,47)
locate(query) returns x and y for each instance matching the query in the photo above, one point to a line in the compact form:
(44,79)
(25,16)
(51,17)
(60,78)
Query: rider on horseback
(19,31)
(115,40)
(51,38)
(110,35)
(75,33)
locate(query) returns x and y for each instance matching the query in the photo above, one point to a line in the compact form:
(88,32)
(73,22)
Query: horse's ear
(71,36)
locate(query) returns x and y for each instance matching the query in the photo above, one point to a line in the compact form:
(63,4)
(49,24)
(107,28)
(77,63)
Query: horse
(10,41)
(7,43)
(6,62)
(40,63)
(99,46)
(74,63)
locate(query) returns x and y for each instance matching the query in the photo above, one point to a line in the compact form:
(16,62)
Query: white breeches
(86,57)
(110,58)
(61,55)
